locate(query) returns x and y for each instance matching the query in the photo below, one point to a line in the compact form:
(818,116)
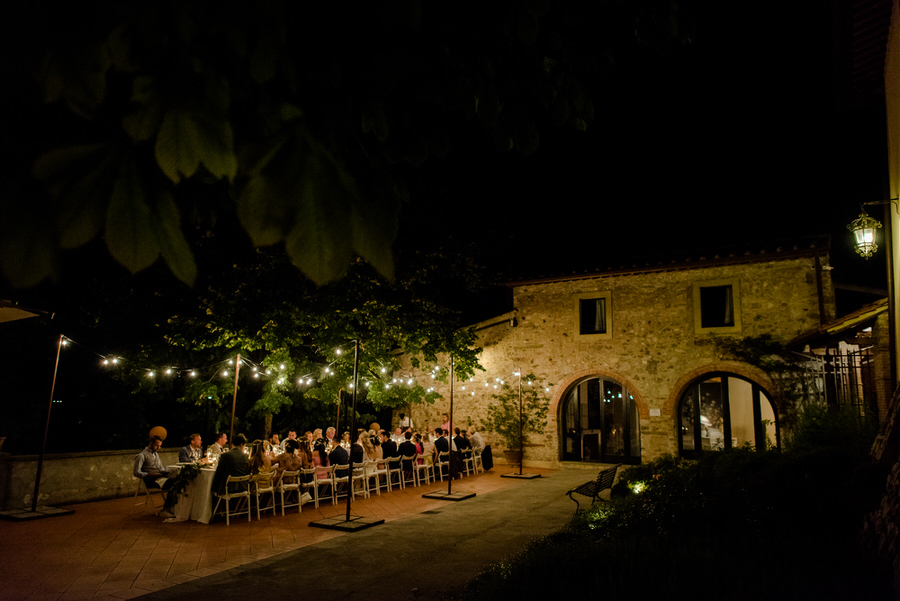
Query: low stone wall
(70,477)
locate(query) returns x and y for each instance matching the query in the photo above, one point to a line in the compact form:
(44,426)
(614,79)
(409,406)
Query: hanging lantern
(863,228)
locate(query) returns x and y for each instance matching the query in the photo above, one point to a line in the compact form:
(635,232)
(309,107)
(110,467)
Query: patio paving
(426,549)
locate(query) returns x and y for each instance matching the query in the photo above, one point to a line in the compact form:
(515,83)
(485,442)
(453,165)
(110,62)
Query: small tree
(518,411)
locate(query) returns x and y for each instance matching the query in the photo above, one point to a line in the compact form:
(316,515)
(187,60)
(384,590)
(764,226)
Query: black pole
(521,439)
(450,438)
(352,423)
(237,371)
(40,465)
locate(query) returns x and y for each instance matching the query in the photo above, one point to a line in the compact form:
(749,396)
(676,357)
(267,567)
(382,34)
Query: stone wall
(70,477)
(654,349)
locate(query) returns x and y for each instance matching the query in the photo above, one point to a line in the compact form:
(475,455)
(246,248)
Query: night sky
(746,136)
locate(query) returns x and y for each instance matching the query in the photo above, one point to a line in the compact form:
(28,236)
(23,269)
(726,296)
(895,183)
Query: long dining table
(195,503)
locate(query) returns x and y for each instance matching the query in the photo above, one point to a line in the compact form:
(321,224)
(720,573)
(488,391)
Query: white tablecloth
(195,503)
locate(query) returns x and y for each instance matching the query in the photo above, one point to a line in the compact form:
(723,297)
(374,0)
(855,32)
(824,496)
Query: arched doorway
(722,411)
(600,423)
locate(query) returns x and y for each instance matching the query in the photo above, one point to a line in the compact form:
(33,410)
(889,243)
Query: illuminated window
(724,411)
(600,423)
(717,307)
(593,317)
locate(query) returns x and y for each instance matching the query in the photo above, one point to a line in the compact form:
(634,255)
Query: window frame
(577,298)
(735,284)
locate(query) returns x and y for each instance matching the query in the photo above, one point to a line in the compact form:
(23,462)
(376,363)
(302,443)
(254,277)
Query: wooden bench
(593,488)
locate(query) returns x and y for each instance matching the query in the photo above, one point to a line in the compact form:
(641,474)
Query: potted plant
(518,410)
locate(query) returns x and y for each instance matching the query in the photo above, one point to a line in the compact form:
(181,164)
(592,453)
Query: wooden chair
(341,484)
(476,462)
(423,468)
(289,484)
(440,462)
(236,487)
(308,484)
(408,476)
(264,483)
(148,494)
(375,469)
(468,462)
(324,479)
(392,464)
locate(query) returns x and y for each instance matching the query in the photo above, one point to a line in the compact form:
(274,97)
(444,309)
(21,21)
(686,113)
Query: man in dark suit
(232,463)
(357,454)
(388,446)
(442,445)
(339,456)
(407,448)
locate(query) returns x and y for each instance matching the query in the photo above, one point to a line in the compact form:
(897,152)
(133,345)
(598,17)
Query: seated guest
(428,447)
(291,459)
(462,443)
(407,448)
(440,443)
(339,456)
(304,454)
(260,459)
(476,440)
(420,448)
(148,466)
(376,444)
(192,452)
(274,440)
(232,463)
(320,457)
(357,453)
(397,436)
(388,446)
(218,446)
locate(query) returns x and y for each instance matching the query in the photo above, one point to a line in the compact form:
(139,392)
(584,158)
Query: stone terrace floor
(114,550)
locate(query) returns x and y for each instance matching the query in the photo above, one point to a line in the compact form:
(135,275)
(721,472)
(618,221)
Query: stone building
(630,354)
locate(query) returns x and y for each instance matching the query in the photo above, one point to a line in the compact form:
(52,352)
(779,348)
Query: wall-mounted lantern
(863,228)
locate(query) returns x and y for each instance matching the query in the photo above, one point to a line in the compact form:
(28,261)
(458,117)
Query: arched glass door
(600,423)
(724,411)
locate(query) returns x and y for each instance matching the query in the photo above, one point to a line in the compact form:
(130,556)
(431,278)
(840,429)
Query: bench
(593,488)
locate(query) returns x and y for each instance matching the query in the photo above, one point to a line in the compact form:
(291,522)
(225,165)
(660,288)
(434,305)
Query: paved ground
(426,549)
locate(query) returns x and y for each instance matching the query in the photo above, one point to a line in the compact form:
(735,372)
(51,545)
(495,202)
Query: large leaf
(187,138)
(80,180)
(319,243)
(27,251)
(175,249)
(130,234)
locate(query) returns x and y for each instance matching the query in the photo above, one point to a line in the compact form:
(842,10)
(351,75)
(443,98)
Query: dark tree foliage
(299,118)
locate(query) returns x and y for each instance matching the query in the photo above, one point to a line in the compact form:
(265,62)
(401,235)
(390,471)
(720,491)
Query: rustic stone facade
(654,345)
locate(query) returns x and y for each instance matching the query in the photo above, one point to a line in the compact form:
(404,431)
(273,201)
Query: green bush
(737,524)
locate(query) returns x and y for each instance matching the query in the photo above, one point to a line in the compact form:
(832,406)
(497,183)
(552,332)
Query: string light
(306,380)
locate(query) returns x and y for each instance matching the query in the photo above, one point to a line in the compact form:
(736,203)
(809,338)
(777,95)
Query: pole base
(520,476)
(443,496)
(41,511)
(354,524)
